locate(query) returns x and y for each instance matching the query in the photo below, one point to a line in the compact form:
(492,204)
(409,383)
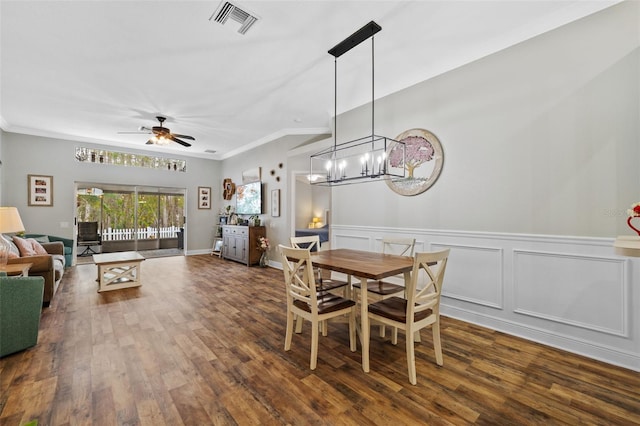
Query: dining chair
(304,300)
(380,290)
(420,308)
(324,282)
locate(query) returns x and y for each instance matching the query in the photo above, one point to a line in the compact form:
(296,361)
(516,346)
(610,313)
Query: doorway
(310,207)
(149,220)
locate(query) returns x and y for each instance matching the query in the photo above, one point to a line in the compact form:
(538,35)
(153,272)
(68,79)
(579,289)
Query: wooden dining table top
(362,264)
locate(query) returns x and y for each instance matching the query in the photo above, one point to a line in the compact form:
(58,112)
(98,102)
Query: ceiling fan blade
(183,143)
(191,138)
(141,131)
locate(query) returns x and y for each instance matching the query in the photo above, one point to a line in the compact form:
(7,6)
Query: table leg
(364,324)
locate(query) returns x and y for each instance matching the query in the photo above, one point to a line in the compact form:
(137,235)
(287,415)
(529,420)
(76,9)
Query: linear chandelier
(367,159)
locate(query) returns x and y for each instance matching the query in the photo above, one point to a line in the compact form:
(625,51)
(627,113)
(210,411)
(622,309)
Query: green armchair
(20,309)
(66,242)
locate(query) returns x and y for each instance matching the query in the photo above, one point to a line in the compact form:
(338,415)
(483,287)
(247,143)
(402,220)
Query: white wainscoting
(572,293)
(584,291)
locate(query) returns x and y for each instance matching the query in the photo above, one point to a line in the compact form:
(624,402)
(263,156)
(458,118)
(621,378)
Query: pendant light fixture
(367,159)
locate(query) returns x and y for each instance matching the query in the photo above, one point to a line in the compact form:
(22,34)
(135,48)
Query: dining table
(363,265)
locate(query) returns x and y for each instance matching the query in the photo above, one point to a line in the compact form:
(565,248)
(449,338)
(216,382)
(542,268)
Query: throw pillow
(42,239)
(24,246)
(37,247)
(13,250)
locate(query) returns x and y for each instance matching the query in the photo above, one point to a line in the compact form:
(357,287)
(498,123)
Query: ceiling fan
(162,135)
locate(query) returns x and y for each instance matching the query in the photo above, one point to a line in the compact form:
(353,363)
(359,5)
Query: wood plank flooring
(201,342)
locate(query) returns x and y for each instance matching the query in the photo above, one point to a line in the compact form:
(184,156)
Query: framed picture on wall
(275,202)
(204,197)
(252,175)
(40,190)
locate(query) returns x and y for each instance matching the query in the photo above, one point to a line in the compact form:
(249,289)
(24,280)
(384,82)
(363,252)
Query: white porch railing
(111,234)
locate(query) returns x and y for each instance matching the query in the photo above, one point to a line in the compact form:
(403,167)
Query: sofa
(20,308)
(67,242)
(49,266)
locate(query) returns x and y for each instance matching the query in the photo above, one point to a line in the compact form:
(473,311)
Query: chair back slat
(399,246)
(432,265)
(299,278)
(311,242)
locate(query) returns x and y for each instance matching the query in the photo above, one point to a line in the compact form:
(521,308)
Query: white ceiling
(86,70)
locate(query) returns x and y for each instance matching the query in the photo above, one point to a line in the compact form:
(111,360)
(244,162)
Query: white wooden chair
(420,308)
(304,300)
(380,290)
(324,282)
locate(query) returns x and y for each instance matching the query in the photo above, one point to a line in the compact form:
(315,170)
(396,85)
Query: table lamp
(10,222)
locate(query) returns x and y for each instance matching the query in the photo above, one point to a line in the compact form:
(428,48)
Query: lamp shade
(10,220)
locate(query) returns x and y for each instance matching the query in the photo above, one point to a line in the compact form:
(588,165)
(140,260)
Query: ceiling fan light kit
(162,135)
(364,159)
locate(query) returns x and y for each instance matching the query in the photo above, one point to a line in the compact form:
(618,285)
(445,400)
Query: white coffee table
(118,270)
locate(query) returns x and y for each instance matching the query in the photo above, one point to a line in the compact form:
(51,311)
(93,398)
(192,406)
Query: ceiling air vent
(210,151)
(228,10)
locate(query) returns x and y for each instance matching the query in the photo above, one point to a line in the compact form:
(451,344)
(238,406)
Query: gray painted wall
(540,138)
(267,157)
(36,155)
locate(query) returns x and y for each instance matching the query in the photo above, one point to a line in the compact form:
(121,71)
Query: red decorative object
(631,226)
(634,212)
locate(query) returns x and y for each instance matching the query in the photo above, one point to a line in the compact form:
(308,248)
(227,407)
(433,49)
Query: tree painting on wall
(422,161)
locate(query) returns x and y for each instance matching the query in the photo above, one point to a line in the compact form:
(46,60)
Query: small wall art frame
(275,202)
(252,175)
(40,190)
(204,197)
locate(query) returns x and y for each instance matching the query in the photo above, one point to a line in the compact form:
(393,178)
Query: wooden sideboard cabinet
(240,243)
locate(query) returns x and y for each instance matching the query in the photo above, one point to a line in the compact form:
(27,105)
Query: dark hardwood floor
(201,342)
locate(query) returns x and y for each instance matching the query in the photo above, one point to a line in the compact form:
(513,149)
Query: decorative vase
(264,261)
(631,226)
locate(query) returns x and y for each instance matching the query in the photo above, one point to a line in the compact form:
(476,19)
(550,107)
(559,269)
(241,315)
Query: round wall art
(422,164)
